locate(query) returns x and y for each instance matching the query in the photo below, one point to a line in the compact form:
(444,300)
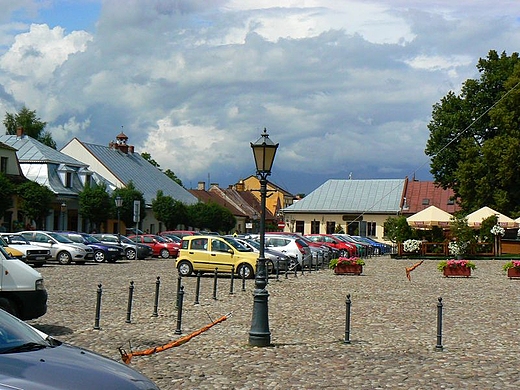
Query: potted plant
(453,267)
(412,246)
(512,268)
(347,265)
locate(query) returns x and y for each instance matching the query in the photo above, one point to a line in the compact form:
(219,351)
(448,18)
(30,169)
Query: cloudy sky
(345,87)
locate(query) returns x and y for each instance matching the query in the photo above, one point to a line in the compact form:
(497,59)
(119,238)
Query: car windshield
(235,244)
(60,238)
(15,334)
(254,244)
(17,239)
(160,239)
(90,239)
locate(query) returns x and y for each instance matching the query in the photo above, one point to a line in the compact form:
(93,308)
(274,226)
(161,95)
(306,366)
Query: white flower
(457,248)
(497,229)
(411,245)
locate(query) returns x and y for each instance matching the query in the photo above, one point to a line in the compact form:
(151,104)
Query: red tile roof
(419,195)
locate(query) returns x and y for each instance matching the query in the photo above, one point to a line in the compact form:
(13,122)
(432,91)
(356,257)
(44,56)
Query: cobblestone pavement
(393,326)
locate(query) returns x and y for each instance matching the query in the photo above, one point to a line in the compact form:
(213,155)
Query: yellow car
(12,252)
(205,253)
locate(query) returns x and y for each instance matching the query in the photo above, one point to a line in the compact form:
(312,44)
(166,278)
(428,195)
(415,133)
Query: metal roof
(147,178)
(352,196)
(30,150)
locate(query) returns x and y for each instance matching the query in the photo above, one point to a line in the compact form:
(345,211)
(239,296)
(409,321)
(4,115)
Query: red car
(160,246)
(334,242)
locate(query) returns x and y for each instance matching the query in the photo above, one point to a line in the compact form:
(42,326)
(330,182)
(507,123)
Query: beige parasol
(475,218)
(429,217)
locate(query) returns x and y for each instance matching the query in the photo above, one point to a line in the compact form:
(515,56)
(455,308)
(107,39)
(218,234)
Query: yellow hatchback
(205,253)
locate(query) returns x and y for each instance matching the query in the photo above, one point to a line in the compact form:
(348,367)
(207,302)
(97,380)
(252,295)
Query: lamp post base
(259,335)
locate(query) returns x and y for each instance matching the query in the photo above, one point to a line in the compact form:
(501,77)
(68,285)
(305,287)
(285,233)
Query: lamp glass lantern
(264,151)
(63,209)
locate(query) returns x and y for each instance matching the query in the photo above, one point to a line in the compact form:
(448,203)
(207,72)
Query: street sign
(137,211)
(281,225)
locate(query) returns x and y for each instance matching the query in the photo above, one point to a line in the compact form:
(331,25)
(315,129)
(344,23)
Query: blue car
(30,359)
(102,251)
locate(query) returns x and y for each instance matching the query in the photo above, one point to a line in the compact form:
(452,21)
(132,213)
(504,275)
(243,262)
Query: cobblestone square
(393,326)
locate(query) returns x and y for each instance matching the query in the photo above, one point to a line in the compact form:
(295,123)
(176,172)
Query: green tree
(173,176)
(211,216)
(35,201)
(396,229)
(7,190)
(462,233)
(474,141)
(168,210)
(129,194)
(31,124)
(94,201)
(148,157)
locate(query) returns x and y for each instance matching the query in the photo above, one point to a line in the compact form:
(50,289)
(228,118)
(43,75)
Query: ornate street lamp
(119,204)
(63,209)
(264,151)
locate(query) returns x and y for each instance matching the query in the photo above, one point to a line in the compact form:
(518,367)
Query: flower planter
(457,271)
(513,272)
(348,269)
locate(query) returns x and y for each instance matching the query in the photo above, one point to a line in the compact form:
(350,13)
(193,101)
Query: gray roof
(41,163)
(352,196)
(146,178)
(30,150)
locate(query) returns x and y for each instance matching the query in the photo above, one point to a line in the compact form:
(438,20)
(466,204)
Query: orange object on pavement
(127,357)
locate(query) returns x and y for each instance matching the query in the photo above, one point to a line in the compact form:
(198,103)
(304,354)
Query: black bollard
(98,307)
(130,296)
(215,279)
(179,284)
(296,268)
(197,288)
(439,325)
(231,280)
(179,310)
(347,321)
(156,301)
(243,281)
(277,268)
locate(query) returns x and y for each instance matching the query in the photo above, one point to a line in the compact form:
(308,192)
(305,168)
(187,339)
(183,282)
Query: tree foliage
(35,201)
(94,201)
(474,141)
(31,124)
(148,157)
(211,216)
(7,190)
(396,229)
(129,194)
(170,211)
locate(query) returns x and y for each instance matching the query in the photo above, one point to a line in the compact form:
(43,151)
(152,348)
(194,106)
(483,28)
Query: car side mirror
(230,251)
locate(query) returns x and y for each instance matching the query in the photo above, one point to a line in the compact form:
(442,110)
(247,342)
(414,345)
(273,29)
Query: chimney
(19,132)
(131,149)
(213,185)
(121,143)
(240,186)
(201,186)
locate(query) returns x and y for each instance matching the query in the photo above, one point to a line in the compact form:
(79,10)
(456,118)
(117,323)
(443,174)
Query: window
(299,227)
(315,227)
(371,229)
(331,227)
(426,201)
(3,165)
(451,201)
(68,179)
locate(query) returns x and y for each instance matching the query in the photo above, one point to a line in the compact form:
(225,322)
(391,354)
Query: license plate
(40,258)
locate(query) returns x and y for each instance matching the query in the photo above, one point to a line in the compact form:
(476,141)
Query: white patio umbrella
(475,218)
(429,217)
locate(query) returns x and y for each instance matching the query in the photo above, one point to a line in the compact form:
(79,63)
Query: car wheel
(99,256)
(165,254)
(64,258)
(185,268)
(245,271)
(130,254)
(8,306)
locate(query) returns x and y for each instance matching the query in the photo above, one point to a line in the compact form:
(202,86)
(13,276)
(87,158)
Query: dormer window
(68,179)
(451,201)
(426,201)
(3,165)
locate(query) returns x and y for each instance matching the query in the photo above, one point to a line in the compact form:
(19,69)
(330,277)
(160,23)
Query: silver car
(291,246)
(276,258)
(62,249)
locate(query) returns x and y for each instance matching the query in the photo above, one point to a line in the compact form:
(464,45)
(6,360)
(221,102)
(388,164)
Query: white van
(22,292)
